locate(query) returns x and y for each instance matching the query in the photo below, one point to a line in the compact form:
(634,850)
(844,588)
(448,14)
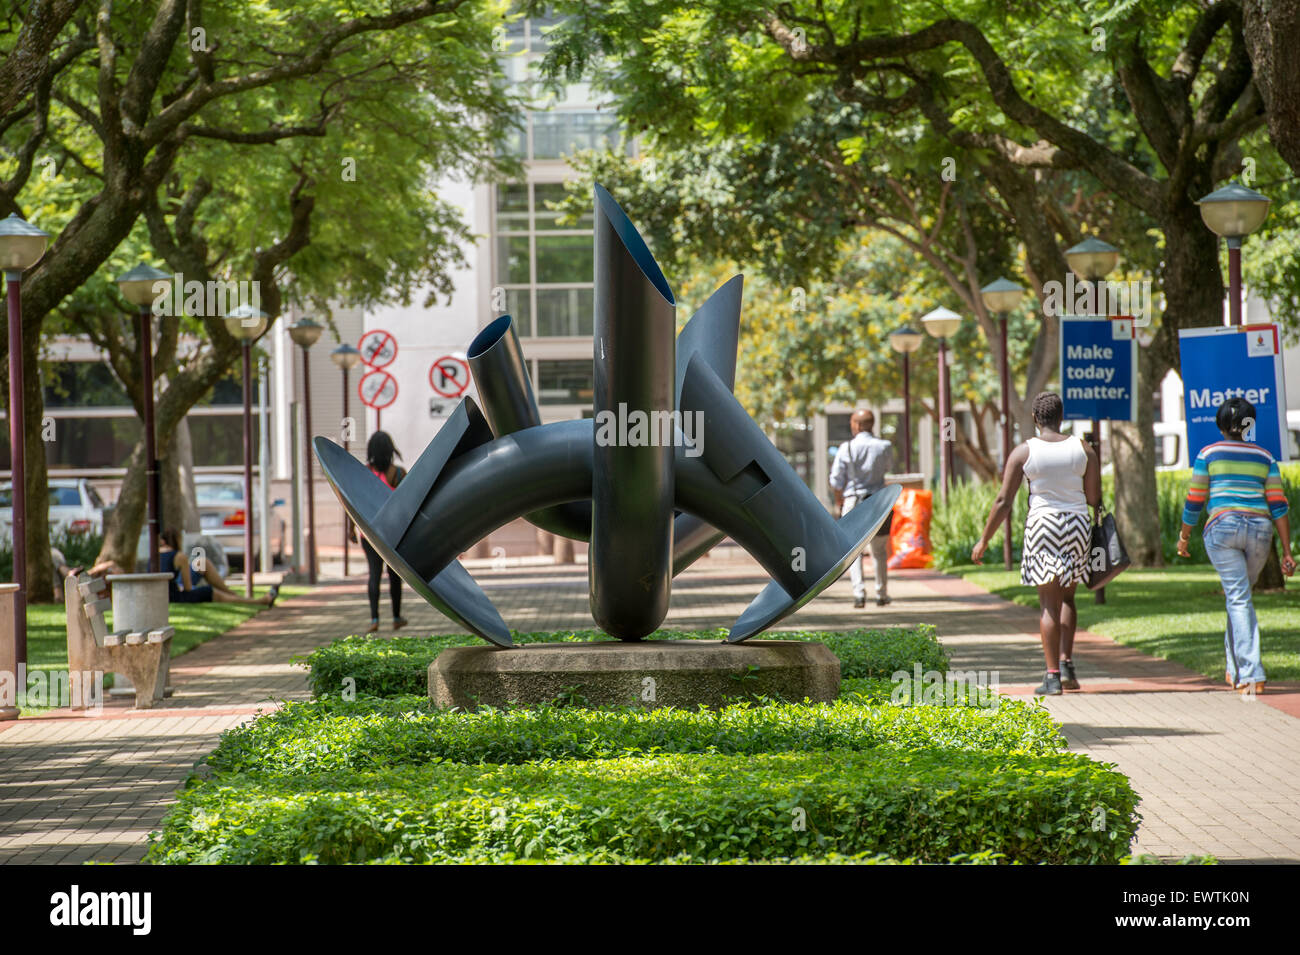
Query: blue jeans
(1238,546)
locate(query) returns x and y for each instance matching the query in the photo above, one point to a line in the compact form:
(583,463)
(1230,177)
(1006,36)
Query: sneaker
(1069,680)
(859,602)
(1051,685)
(884,601)
(399,623)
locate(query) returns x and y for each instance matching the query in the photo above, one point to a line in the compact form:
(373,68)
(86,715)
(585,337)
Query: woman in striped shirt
(1240,483)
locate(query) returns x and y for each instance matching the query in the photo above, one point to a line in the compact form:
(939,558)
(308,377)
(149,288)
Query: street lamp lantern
(21,246)
(346,357)
(1234,211)
(1002,296)
(140,287)
(1092,259)
(246,323)
(306,332)
(942,323)
(906,340)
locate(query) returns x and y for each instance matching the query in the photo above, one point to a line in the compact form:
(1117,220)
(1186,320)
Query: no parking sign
(449,376)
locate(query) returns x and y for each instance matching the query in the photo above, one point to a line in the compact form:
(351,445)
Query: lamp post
(21,247)
(1233,213)
(906,340)
(246,323)
(138,287)
(942,323)
(347,358)
(1092,260)
(1001,297)
(305,332)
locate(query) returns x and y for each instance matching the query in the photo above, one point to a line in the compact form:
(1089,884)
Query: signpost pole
(347,446)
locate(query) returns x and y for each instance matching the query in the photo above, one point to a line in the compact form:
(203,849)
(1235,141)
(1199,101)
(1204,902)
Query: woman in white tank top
(1064,480)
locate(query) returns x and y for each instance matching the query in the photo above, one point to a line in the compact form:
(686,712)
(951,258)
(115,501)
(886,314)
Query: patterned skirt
(1056,548)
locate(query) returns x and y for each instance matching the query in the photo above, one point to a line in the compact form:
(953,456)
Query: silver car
(220,500)
(75,507)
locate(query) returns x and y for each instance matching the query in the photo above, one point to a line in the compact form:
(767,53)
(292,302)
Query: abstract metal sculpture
(668,466)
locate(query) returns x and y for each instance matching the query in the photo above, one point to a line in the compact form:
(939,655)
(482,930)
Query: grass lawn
(1175,614)
(47,627)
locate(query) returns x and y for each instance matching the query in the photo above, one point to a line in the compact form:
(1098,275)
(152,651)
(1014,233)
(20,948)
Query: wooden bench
(143,655)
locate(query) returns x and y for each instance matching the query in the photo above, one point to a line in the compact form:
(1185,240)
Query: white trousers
(879,561)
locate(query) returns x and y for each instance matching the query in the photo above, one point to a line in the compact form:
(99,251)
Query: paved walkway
(1216,774)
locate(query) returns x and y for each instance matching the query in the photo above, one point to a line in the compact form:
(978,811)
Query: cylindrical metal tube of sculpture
(630,561)
(505,393)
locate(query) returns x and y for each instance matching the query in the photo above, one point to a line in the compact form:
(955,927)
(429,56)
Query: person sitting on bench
(181,588)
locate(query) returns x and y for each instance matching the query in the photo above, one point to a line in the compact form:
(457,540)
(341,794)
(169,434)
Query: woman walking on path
(1241,483)
(379,458)
(1064,480)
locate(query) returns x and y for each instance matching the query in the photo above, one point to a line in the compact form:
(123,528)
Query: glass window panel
(565,382)
(518,306)
(512,207)
(558,133)
(512,260)
(79,384)
(540,26)
(564,259)
(564,311)
(544,192)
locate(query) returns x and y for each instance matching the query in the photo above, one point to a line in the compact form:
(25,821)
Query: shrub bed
(322,736)
(931,805)
(392,667)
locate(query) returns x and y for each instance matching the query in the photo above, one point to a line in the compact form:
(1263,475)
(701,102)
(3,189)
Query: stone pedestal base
(652,673)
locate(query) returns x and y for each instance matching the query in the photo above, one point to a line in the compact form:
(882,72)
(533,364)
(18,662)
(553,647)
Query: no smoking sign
(449,376)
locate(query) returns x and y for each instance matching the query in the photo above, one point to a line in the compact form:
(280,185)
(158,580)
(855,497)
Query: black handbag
(1106,554)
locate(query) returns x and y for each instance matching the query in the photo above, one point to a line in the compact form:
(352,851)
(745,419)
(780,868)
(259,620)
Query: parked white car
(75,507)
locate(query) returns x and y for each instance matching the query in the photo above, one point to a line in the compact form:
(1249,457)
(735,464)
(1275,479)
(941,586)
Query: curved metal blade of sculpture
(669,464)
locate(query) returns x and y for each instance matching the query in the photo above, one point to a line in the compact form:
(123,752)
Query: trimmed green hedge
(931,805)
(392,667)
(326,736)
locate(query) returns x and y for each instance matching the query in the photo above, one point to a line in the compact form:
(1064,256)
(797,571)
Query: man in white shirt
(861,464)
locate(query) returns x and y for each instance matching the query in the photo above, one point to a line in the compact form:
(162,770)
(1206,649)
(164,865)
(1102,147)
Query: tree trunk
(179,508)
(122,528)
(1272,32)
(40,569)
(1271,578)
(1133,446)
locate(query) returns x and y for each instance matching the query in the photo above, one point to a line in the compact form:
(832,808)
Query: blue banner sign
(1098,368)
(1233,361)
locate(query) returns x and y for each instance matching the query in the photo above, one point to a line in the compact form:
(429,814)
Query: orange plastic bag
(909,537)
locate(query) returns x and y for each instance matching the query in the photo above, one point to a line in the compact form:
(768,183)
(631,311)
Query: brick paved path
(1216,774)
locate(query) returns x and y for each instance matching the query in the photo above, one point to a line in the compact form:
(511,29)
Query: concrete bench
(142,654)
